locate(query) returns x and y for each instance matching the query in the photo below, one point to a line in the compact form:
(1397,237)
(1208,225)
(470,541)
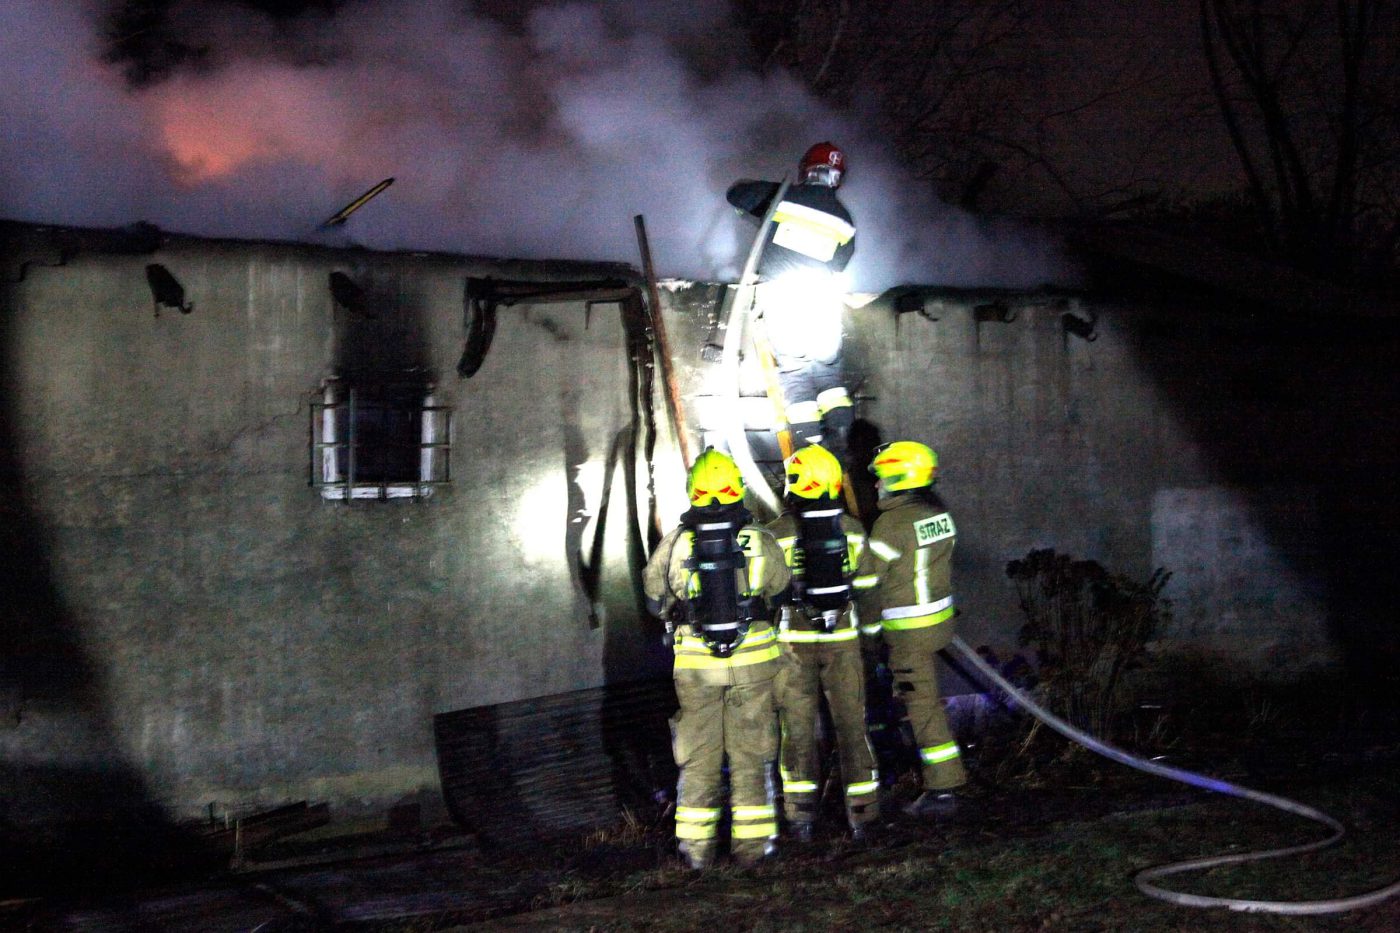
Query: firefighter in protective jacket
(819,634)
(905,581)
(716,575)
(812,238)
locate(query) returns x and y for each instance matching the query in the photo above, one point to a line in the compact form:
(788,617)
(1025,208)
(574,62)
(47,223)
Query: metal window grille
(379,441)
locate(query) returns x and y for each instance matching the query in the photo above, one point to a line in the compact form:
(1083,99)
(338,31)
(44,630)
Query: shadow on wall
(1287,405)
(864,439)
(642,771)
(529,771)
(88,816)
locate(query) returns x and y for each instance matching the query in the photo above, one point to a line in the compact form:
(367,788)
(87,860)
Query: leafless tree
(1308,93)
(960,90)
(940,75)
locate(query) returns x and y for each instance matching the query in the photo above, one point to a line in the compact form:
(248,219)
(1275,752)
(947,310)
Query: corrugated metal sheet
(518,773)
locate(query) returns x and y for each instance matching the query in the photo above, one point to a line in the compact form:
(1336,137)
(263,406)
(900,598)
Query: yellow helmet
(714,479)
(905,465)
(813,473)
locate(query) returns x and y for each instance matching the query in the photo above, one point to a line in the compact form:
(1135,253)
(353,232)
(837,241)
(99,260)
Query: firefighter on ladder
(720,571)
(819,634)
(904,580)
(810,240)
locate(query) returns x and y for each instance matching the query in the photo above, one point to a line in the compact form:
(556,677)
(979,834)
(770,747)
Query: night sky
(538,129)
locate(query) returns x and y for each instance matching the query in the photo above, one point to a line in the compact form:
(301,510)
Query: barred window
(379,440)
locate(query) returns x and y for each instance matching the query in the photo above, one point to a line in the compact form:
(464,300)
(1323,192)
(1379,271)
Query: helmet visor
(826,175)
(876,459)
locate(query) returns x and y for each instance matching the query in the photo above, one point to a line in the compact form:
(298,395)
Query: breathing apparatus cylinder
(720,613)
(826,591)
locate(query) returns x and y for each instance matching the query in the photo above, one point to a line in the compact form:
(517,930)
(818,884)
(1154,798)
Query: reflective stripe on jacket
(811,227)
(810,231)
(759,645)
(905,576)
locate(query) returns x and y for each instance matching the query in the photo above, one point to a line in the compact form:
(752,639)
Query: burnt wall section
(232,638)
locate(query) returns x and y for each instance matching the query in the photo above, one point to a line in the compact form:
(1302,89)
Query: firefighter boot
(836,422)
(933,805)
(802,831)
(748,858)
(697,857)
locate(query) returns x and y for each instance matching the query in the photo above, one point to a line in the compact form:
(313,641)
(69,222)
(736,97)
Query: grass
(1063,875)
(1051,840)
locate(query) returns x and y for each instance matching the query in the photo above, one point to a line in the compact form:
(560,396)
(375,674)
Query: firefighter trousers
(715,722)
(808,671)
(809,388)
(912,659)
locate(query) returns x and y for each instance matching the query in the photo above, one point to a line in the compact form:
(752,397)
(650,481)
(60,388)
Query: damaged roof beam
(513,292)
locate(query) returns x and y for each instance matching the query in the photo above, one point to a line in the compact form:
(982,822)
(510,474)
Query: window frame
(327,447)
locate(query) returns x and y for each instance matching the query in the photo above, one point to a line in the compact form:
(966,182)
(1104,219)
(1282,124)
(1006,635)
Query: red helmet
(823,164)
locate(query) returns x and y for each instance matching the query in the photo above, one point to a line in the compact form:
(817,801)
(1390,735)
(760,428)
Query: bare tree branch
(843,14)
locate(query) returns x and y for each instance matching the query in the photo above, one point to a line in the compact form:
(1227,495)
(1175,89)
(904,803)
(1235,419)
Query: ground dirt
(1048,838)
(1039,859)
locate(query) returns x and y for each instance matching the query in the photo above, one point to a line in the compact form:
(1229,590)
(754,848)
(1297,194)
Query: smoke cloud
(532,139)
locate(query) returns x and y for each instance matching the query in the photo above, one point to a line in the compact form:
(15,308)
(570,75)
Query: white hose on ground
(1144,878)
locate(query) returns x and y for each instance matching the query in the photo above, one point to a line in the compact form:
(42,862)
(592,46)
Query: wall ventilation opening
(374,439)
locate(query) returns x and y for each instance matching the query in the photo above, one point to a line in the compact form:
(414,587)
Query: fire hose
(1145,879)
(740,297)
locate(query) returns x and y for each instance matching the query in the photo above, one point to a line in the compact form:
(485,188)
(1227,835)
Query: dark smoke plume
(538,138)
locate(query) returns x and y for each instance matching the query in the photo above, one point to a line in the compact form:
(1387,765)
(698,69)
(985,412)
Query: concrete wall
(183,610)
(1252,456)
(206,616)
(1050,440)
